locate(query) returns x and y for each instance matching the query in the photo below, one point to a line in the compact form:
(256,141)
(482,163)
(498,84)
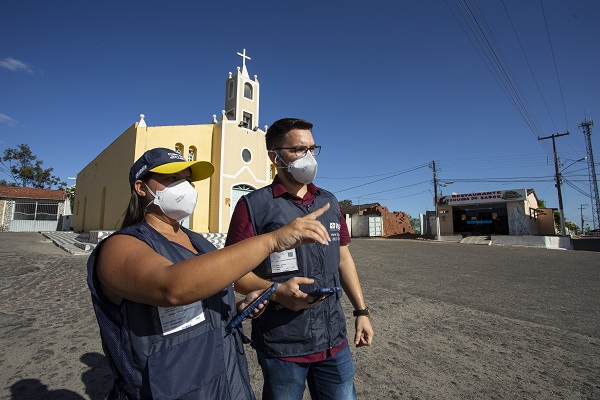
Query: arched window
(230,90)
(179,148)
(246,120)
(248,91)
(192,154)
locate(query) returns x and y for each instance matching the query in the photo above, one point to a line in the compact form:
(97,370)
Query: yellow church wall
(103,190)
(215,187)
(196,136)
(102,187)
(235,171)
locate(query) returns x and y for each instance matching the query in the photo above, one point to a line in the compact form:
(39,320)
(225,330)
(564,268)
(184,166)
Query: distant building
(499,212)
(33,210)
(369,220)
(234,144)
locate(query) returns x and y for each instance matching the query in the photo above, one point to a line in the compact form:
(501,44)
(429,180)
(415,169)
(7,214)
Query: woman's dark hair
(136,210)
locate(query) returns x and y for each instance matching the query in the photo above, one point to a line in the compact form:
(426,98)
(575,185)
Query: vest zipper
(327,308)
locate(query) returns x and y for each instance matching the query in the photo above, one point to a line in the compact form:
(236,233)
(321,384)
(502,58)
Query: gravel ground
(451,321)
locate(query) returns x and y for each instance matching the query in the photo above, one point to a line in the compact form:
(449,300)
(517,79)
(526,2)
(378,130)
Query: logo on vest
(334,231)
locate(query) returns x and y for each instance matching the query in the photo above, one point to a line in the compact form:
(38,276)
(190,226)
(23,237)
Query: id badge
(283,261)
(177,318)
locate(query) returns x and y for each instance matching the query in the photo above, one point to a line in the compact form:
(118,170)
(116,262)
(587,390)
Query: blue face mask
(304,169)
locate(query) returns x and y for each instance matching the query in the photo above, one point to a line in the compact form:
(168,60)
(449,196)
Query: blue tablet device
(242,315)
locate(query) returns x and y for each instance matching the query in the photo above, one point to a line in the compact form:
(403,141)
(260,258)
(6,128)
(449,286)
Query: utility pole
(581,207)
(435,199)
(587,132)
(557,176)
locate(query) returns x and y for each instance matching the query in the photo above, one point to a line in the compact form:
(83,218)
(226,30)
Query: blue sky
(389,85)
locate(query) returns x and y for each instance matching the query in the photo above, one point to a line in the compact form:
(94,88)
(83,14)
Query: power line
(492,58)
(496,62)
(382,179)
(529,65)
(375,176)
(397,188)
(393,198)
(555,67)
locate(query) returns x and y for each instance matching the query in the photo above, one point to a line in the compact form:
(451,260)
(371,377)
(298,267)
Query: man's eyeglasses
(301,151)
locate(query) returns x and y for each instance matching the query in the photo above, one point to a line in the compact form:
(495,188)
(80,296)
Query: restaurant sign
(498,196)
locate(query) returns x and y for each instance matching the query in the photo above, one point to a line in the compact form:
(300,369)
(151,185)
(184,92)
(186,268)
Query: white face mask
(304,169)
(177,201)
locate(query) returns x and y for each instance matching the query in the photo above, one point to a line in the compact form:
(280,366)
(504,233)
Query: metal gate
(375,227)
(34,216)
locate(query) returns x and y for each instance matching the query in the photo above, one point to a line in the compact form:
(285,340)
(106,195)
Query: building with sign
(234,144)
(500,212)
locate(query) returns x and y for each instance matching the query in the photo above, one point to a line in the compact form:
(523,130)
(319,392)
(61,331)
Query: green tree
(25,170)
(346,203)
(572,227)
(71,194)
(416,224)
(557,220)
(541,203)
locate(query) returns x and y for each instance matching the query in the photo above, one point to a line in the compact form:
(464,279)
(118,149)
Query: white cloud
(5,119)
(12,64)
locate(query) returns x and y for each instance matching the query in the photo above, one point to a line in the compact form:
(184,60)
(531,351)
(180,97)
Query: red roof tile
(13,192)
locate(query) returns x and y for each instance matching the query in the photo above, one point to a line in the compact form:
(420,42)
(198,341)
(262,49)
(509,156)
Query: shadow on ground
(97,380)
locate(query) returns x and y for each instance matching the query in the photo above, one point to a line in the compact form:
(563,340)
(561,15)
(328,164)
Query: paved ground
(452,321)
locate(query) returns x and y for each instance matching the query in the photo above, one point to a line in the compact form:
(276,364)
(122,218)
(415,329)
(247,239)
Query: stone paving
(452,322)
(48,334)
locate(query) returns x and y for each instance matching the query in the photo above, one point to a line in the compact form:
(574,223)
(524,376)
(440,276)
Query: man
(299,338)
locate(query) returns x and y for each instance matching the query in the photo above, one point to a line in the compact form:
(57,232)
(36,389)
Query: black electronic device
(242,315)
(323,293)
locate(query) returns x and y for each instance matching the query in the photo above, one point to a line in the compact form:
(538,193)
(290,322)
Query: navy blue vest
(197,362)
(279,331)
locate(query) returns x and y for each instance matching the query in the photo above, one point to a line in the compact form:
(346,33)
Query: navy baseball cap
(167,161)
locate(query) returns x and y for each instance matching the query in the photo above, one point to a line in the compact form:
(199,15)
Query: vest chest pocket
(285,326)
(191,369)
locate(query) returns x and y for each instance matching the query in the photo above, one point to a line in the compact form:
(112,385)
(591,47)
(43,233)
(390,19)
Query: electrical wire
(529,65)
(382,179)
(497,62)
(555,67)
(394,173)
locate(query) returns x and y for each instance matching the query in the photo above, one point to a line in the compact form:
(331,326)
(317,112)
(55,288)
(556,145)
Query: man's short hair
(276,133)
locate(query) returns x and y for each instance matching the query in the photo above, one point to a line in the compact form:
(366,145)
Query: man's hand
(289,295)
(364,331)
(300,231)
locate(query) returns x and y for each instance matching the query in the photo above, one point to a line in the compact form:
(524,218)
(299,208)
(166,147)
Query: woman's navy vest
(198,362)
(279,331)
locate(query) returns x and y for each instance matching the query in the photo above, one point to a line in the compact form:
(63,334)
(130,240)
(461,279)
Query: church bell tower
(242,97)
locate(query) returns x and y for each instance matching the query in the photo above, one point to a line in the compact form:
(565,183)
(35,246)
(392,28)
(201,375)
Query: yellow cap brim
(200,169)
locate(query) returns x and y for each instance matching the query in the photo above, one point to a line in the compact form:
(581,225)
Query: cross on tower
(244,57)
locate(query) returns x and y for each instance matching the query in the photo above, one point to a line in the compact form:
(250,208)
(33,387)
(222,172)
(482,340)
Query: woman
(162,296)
